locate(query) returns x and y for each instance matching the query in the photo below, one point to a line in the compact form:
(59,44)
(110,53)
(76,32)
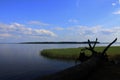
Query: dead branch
(91,48)
(104,51)
(89,43)
(102,54)
(95,43)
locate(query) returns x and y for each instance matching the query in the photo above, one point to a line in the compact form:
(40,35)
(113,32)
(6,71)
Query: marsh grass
(73,53)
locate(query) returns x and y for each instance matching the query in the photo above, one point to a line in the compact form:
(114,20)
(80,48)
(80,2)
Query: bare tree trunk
(83,70)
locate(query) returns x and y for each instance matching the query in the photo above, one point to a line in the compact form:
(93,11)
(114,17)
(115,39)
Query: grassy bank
(73,53)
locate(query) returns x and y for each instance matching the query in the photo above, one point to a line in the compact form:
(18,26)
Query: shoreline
(73,53)
(93,69)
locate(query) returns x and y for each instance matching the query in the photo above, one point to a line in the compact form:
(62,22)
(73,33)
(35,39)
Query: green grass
(73,53)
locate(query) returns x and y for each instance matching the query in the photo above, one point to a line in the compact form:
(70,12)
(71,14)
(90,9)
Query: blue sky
(59,20)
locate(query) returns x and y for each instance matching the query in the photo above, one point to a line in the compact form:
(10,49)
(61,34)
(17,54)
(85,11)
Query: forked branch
(89,43)
(95,43)
(91,48)
(104,51)
(102,54)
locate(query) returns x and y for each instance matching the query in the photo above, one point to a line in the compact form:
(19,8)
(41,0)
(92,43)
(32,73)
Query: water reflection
(24,62)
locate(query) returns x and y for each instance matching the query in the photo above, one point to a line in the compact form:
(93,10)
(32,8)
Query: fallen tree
(103,55)
(83,70)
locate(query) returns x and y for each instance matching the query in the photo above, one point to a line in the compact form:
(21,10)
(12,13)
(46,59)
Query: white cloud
(119,1)
(117,12)
(59,28)
(38,23)
(73,21)
(113,4)
(19,29)
(5,35)
(11,27)
(43,32)
(116,3)
(73,33)
(97,30)
(88,32)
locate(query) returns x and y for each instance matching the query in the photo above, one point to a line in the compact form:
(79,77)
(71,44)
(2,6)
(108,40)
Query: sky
(59,20)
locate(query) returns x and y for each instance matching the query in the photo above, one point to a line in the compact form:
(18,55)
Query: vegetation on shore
(58,42)
(99,62)
(73,53)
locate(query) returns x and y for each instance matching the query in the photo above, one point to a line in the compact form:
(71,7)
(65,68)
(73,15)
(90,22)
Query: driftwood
(84,70)
(102,54)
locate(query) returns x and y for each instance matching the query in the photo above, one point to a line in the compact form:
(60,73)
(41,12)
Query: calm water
(24,62)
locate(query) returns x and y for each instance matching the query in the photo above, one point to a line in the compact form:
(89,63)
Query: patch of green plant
(73,53)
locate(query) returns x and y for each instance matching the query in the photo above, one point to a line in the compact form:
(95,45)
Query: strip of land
(73,53)
(89,70)
(57,42)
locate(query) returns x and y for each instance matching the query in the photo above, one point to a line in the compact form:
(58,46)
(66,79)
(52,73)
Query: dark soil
(108,71)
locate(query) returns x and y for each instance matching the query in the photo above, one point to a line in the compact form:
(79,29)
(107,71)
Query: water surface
(24,62)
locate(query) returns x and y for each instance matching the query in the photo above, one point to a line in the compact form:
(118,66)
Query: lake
(24,62)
